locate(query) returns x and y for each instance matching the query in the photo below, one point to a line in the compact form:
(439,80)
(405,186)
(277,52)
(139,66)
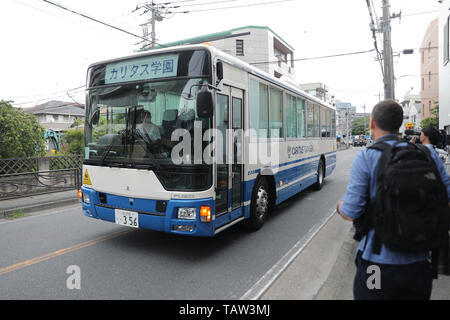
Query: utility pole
(389,86)
(153,9)
(379,96)
(158,13)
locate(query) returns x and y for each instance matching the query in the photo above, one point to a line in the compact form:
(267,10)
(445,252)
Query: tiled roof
(57,107)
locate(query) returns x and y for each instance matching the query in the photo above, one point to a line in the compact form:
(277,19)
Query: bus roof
(226,58)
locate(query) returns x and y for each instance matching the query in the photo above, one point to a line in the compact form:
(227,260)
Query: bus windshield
(132,124)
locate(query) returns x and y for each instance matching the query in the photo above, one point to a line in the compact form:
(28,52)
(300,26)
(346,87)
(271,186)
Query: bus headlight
(86,198)
(187,213)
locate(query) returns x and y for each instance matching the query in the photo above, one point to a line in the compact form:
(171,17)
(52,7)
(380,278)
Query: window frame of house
(240,48)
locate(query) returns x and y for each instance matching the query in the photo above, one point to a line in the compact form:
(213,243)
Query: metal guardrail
(25,165)
(23,177)
(17,185)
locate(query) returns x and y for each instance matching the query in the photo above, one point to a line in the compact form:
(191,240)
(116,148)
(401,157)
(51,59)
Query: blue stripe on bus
(294,173)
(327,155)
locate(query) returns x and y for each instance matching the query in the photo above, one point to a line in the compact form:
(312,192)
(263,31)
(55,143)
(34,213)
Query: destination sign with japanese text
(146,68)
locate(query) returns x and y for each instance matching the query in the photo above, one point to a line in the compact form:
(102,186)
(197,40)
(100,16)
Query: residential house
(57,115)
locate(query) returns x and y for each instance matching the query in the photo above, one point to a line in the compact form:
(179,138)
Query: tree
(77,122)
(74,141)
(21,135)
(360,126)
(434,119)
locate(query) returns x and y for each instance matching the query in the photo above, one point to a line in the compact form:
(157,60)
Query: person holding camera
(428,137)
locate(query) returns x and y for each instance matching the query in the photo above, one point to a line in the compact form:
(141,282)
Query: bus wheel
(320,176)
(260,205)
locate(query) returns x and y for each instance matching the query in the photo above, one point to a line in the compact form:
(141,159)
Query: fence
(33,176)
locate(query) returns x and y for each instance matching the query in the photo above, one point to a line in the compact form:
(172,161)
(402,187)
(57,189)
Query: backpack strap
(376,245)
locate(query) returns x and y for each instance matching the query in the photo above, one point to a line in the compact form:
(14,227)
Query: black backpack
(410,213)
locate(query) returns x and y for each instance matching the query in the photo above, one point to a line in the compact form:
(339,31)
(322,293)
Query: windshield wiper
(102,162)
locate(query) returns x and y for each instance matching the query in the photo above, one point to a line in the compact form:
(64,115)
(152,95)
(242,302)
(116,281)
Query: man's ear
(372,123)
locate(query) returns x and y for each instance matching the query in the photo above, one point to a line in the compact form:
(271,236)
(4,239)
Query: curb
(270,277)
(39,206)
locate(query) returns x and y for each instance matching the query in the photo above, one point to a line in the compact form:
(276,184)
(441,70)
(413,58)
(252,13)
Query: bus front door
(229,174)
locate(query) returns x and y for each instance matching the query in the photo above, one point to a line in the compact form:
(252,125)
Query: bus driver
(148,128)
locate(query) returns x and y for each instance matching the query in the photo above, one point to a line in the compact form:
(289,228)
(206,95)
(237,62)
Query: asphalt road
(121,263)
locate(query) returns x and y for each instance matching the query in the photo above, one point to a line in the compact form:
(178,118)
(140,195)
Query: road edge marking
(264,283)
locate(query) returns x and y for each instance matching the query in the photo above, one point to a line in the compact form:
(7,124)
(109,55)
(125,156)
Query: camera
(443,141)
(410,135)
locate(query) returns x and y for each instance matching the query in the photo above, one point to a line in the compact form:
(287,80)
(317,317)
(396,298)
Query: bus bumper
(152,214)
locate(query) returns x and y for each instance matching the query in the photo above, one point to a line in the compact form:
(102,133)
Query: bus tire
(320,176)
(260,204)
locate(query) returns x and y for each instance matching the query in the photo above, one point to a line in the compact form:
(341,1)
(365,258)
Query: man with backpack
(398,198)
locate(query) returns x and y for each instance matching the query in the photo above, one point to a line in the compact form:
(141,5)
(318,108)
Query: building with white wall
(257,45)
(345,114)
(429,55)
(444,65)
(412,110)
(318,90)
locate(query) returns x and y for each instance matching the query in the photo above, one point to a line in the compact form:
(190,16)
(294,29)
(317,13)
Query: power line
(93,19)
(52,97)
(64,19)
(419,75)
(419,13)
(166,3)
(206,3)
(316,58)
(374,36)
(44,94)
(233,7)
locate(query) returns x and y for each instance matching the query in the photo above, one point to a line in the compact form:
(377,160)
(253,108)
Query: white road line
(261,286)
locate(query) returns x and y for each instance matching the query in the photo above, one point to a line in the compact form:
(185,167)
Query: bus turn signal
(205,214)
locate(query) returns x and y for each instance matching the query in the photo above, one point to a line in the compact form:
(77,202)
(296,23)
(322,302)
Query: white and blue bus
(190,140)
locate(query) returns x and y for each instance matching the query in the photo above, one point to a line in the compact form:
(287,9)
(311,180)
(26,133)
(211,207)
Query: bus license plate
(127,218)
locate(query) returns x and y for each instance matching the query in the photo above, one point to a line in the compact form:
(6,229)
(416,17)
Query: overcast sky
(46,51)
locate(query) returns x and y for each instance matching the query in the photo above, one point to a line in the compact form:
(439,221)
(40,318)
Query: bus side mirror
(95,117)
(219,71)
(205,102)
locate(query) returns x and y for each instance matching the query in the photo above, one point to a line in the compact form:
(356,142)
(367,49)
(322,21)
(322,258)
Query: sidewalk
(38,202)
(324,270)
